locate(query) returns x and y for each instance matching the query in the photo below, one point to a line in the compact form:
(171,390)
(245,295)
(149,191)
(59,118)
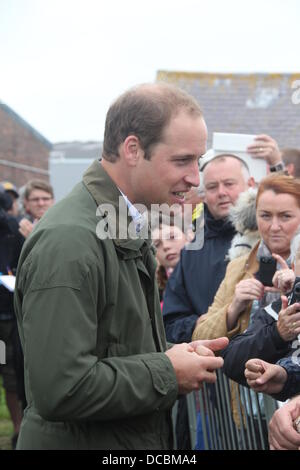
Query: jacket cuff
(163,378)
(288,389)
(291,386)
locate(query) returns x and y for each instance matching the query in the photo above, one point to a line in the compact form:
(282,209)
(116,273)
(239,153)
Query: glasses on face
(35,200)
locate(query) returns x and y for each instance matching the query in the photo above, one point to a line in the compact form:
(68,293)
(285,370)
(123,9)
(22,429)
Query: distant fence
(229,416)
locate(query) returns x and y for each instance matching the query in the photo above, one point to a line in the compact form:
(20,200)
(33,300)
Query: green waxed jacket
(88,311)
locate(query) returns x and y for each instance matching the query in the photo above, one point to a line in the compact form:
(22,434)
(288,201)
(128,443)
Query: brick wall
(18,144)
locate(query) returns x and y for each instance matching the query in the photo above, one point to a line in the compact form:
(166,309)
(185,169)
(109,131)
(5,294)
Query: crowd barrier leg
(230,418)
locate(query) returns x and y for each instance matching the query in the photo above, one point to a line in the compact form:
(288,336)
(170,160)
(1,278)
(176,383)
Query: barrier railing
(229,416)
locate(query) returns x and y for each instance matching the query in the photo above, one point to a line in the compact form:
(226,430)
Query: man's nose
(193,178)
(222,189)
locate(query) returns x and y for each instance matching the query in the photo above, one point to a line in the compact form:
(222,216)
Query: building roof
(76,149)
(258,103)
(25,124)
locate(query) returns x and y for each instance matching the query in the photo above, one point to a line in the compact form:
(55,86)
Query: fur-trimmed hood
(243,217)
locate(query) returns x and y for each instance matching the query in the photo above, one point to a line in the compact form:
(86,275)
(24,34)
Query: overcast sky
(64,61)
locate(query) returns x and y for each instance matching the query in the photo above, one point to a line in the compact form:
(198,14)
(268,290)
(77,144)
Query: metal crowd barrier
(229,416)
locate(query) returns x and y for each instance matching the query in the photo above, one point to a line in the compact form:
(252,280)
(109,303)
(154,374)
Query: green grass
(6,431)
(6,427)
(4,414)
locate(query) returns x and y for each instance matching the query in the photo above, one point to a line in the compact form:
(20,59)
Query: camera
(295,296)
(267,269)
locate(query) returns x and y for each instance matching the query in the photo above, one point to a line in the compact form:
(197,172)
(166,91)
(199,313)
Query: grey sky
(64,61)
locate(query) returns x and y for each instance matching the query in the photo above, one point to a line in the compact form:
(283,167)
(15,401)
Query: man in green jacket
(98,372)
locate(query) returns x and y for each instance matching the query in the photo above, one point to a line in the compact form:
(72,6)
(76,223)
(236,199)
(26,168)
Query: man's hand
(196,363)
(267,148)
(205,347)
(282,433)
(25,227)
(288,323)
(265,377)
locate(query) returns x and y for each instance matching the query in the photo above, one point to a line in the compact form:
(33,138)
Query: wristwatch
(278,167)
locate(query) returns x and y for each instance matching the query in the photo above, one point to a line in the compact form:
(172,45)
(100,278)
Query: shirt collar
(138,218)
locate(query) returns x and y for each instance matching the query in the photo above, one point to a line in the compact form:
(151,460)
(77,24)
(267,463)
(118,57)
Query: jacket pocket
(39,434)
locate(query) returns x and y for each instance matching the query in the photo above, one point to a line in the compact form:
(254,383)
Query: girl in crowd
(168,241)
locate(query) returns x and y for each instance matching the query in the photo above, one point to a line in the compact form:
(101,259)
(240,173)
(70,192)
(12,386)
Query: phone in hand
(267,269)
(295,296)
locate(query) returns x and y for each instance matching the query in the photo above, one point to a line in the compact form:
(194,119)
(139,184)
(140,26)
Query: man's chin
(38,216)
(224,211)
(222,214)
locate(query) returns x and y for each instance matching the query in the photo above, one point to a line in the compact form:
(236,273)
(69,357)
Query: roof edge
(25,124)
(173,74)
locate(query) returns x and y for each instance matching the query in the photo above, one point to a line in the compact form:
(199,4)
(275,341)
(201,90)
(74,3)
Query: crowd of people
(112,338)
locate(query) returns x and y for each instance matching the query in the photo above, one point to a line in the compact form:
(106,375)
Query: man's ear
(132,150)
(251,182)
(25,204)
(290,167)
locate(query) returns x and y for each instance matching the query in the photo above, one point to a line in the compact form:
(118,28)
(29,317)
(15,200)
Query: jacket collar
(110,201)
(216,227)
(252,264)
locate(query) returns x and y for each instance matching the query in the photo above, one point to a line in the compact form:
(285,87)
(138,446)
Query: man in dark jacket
(98,374)
(261,340)
(198,274)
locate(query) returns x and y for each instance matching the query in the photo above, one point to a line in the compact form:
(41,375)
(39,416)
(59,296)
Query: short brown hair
(280,184)
(37,184)
(144,111)
(223,158)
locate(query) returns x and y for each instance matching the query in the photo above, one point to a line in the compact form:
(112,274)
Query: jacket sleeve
(214,323)
(67,380)
(261,340)
(178,315)
(292,385)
